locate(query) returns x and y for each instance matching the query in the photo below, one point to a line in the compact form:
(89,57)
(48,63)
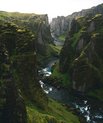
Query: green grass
(55,113)
(55,48)
(75,38)
(51,51)
(62,37)
(64,78)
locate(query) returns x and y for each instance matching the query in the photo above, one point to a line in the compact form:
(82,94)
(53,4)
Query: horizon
(60,8)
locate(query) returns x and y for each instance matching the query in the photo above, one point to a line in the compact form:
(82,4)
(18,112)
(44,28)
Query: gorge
(86,107)
(51,73)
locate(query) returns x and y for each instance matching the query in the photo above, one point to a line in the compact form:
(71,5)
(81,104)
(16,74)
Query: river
(89,108)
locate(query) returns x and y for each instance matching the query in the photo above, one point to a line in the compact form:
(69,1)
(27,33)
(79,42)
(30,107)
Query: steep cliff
(12,106)
(37,24)
(18,74)
(61,24)
(22,100)
(81,55)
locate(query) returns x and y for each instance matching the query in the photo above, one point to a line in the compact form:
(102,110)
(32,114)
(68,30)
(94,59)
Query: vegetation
(51,51)
(75,38)
(55,49)
(98,93)
(22,100)
(56,113)
(61,79)
(37,25)
(62,37)
(81,56)
(23,37)
(97,16)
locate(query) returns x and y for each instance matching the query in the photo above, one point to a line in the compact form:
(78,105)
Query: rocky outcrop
(18,74)
(44,37)
(37,24)
(12,105)
(61,24)
(81,55)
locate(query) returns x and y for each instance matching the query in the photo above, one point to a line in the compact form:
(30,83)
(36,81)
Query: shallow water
(89,108)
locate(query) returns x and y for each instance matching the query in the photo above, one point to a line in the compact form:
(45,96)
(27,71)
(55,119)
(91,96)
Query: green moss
(81,20)
(98,93)
(51,51)
(62,37)
(27,23)
(97,16)
(75,38)
(56,113)
(64,79)
(55,49)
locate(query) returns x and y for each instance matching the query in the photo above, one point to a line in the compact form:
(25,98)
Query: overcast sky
(51,7)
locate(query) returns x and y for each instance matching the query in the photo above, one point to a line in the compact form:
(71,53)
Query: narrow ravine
(56,41)
(90,109)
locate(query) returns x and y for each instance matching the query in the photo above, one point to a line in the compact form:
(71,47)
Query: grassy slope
(55,49)
(55,113)
(62,37)
(64,78)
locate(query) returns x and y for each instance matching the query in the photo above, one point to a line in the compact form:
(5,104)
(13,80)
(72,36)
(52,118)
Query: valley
(51,72)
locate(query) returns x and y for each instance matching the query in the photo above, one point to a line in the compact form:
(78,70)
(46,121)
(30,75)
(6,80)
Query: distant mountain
(61,24)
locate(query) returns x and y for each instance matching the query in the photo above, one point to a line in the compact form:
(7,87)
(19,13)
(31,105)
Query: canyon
(72,46)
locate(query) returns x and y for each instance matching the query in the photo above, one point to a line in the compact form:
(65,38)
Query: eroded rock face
(61,24)
(37,24)
(12,105)
(43,37)
(13,108)
(81,55)
(18,74)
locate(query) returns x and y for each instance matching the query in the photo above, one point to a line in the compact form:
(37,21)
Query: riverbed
(89,108)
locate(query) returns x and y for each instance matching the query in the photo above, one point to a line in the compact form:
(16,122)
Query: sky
(51,7)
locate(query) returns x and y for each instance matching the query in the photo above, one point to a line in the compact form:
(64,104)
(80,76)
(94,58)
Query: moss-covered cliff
(37,24)
(22,99)
(18,73)
(81,56)
(60,25)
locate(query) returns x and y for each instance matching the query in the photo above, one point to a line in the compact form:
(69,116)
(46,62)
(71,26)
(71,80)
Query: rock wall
(81,55)
(37,24)
(18,74)
(61,24)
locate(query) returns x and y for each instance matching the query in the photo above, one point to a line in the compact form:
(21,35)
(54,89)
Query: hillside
(81,56)
(41,84)
(39,26)
(22,100)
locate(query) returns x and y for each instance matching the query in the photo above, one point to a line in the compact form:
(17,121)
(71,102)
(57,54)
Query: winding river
(90,109)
